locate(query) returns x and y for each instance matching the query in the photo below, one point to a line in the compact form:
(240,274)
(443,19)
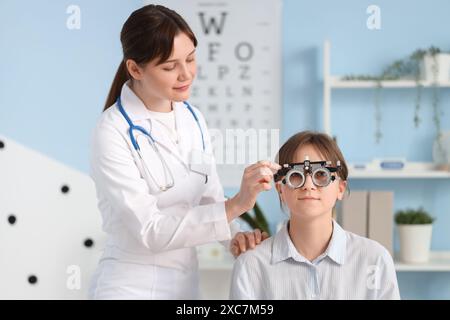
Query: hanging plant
(437,113)
(416,59)
(378,133)
(408,68)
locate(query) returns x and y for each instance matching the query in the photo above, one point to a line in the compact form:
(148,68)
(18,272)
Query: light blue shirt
(352,267)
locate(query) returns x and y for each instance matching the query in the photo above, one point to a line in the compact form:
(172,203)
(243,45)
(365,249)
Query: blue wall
(49,73)
(54,81)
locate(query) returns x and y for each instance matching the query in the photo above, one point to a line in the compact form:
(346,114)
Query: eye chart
(238,83)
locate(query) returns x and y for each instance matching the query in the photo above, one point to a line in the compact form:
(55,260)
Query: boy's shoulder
(262,253)
(359,244)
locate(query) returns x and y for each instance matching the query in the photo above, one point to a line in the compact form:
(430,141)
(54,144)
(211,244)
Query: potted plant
(415,230)
(257,220)
(435,65)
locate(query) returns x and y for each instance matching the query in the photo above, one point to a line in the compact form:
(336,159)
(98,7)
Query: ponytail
(116,87)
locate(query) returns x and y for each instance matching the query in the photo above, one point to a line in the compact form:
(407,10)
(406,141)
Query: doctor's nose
(185,73)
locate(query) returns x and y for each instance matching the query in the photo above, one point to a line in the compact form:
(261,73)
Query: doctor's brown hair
(146,35)
(322,142)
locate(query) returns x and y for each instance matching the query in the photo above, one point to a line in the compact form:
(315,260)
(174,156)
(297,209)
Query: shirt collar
(133,106)
(337,248)
(283,247)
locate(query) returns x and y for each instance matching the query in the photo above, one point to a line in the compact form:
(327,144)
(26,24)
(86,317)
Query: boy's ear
(280,193)
(278,187)
(342,188)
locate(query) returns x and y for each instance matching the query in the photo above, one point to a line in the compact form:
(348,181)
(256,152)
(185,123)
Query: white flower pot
(443,67)
(415,242)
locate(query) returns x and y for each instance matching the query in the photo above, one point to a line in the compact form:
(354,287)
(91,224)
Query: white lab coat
(150,251)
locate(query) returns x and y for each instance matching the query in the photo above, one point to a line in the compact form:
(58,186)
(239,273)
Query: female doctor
(157,186)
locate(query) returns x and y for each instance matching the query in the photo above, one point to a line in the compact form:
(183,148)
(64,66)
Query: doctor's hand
(256,178)
(244,241)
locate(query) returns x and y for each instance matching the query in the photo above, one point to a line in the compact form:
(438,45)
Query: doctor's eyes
(171,67)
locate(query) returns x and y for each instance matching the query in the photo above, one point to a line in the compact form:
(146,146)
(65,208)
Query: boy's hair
(322,142)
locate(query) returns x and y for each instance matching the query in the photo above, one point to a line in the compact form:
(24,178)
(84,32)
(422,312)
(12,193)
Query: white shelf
(397,174)
(411,170)
(439,261)
(336,82)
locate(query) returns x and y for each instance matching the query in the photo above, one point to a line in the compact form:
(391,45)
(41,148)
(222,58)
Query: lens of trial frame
(321,177)
(296,179)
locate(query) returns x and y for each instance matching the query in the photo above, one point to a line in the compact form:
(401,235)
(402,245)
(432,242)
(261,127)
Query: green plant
(437,113)
(256,221)
(416,59)
(413,216)
(405,69)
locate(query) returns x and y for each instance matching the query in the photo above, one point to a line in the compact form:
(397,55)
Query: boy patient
(311,256)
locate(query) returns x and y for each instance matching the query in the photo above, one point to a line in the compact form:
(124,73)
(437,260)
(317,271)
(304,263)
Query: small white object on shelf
(439,261)
(440,62)
(411,170)
(336,82)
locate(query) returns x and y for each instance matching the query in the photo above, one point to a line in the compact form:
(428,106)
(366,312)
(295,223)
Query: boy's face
(311,201)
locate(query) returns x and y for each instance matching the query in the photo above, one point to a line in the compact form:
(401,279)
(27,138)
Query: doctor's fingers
(274,167)
(256,183)
(258,236)
(259,175)
(240,242)
(248,240)
(251,240)
(269,167)
(262,184)
(234,249)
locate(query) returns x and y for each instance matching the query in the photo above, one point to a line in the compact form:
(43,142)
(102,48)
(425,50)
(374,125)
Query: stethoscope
(167,172)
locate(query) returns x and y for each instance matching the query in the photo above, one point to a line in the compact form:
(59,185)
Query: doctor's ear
(134,69)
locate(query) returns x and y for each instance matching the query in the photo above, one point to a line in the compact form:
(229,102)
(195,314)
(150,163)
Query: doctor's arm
(241,241)
(214,193)
(118,178)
